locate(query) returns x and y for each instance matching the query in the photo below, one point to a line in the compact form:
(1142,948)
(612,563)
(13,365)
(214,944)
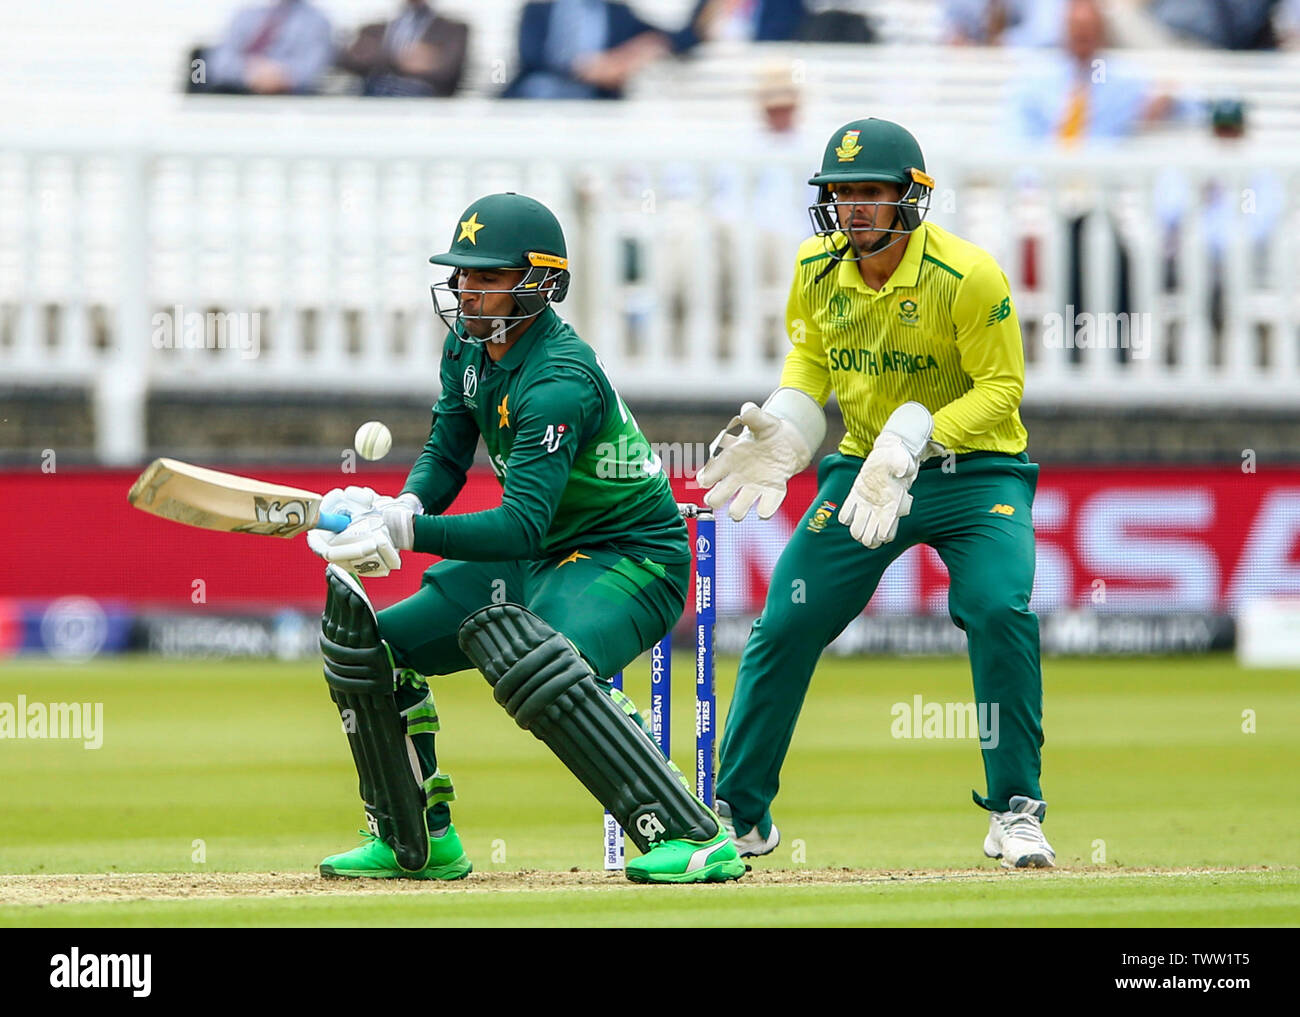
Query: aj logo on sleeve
(554,434)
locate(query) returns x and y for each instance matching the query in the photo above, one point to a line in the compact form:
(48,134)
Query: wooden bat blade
(213,500)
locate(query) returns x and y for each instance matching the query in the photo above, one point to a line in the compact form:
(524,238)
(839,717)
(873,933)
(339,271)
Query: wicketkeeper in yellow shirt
(914,330)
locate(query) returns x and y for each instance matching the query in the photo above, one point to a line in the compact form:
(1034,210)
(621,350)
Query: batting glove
(365,547)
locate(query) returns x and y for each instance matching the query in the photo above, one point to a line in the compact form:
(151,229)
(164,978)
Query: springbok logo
(848,146)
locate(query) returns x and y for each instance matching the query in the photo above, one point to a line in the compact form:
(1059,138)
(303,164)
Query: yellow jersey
(942,332)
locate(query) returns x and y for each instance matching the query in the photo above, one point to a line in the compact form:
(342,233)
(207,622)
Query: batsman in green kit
(582,567)
(915,332)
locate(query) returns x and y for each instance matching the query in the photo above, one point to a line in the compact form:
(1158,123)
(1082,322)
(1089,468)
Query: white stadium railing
(682,243)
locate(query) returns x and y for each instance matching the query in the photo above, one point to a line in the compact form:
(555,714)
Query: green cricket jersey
(574,467)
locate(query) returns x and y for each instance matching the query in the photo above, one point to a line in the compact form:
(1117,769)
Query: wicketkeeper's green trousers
(976,515)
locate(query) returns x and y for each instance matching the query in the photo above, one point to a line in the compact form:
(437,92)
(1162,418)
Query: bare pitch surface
(978,897)
(214,775)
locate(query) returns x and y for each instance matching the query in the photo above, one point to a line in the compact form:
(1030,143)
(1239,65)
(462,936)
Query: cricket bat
(214,500)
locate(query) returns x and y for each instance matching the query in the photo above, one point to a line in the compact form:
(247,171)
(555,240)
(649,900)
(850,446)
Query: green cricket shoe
(374,859)
(689,861)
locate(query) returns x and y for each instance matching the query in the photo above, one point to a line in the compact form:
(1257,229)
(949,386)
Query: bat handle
(336,522)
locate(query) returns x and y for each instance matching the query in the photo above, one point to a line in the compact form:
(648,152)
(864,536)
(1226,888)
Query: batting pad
(360,678)
(543,683)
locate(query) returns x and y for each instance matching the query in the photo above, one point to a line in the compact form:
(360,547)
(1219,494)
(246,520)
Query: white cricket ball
(373,440)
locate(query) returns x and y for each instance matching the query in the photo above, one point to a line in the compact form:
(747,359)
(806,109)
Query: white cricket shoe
(753,843)
(1017,836)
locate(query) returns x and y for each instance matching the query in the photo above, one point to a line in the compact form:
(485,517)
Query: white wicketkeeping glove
(778,440)
(880,493)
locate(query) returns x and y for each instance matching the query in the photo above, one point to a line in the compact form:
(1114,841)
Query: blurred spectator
(836,23)
(1287,24)
(582,49)
(282,47)
(1078,95)
(1239,24)
(743,20)
(781,200)
(1003,22)
(418,53)
(1252,213)
(782,196)
(1206,24)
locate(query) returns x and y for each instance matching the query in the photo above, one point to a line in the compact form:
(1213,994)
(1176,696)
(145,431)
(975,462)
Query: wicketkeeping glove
(880,495)
(778,440)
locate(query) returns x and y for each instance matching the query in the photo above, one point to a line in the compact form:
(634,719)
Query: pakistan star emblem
(469,229)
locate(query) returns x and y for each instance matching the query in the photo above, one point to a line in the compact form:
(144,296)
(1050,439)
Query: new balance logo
(1000,312)
(1004,510)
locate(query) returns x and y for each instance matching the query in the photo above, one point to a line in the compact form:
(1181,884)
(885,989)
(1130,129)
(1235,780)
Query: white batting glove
(357,503)
(365,547)
(353,502)
(778,440)
(407,499)
(880,495)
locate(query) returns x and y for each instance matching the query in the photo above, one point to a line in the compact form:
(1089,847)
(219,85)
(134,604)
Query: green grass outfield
(232,779)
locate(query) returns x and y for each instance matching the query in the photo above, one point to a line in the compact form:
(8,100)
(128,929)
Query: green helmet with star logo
(873,149)
(507,231)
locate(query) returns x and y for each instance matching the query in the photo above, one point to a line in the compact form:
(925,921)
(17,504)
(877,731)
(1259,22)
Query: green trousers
(610,607)
(976,515)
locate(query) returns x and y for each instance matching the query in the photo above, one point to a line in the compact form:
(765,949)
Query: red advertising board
(1133,539)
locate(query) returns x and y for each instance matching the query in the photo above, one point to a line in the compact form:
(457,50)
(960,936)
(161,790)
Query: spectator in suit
(1075,97)
(743,20)
(582,49)
(418,53)
(1032,23)
(283,47)
(1241,24)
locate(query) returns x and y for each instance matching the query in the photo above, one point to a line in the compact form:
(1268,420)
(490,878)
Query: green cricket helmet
(505,231)
(873,150)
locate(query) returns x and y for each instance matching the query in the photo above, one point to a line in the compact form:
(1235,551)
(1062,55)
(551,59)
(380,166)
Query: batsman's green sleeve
(439,472)
(536,475)
(992,354)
